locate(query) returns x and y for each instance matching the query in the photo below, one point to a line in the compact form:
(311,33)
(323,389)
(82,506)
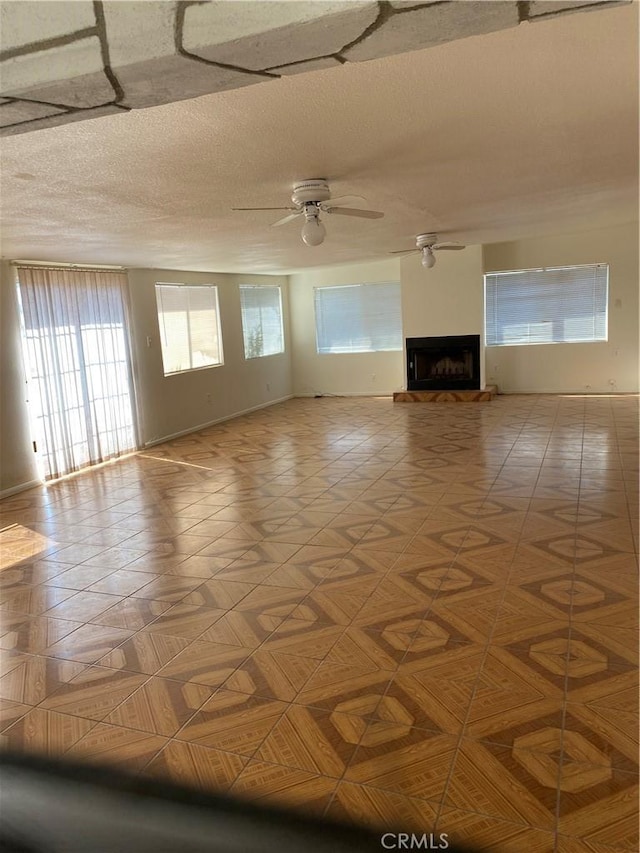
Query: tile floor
(411,615)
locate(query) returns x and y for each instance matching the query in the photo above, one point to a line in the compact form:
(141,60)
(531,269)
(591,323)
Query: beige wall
(182,402)
(445,300)
(554,368)
(167,405)
(353,373)
(17,459)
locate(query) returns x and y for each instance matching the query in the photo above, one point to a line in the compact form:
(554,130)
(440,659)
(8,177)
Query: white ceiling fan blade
(344,199)
(352,211)
(439,247)
(289,218)
(405,252)
(263,208)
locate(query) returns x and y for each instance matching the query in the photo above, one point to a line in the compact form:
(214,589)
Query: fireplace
(446,363)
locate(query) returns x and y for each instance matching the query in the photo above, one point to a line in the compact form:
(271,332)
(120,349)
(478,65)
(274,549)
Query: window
(261,307)
(358,318)
(76,342)
(546,306)
(189,320)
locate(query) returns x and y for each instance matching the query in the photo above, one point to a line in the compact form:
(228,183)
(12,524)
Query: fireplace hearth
(443,363)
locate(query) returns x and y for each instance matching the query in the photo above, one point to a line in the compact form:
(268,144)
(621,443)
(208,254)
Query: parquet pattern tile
(93,693)
(144,652)
(197,766)
(116,746)
(271,674)
(380,809)
(273,784)
(10,712)
(161,706)
(418,617)
(36,678)
(45,732)
(234,722)
(314,740)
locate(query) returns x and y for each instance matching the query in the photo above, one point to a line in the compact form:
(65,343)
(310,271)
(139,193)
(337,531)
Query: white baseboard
(556,393)
(345,394)
(156,441)
(21,488)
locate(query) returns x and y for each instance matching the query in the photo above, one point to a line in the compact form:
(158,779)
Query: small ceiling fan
(427,244)
(310,199)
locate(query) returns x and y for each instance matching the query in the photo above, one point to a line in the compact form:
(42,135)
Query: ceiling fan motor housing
(424,240)
(313,191)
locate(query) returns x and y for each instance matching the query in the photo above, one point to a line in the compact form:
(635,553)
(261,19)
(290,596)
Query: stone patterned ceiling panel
(69,60)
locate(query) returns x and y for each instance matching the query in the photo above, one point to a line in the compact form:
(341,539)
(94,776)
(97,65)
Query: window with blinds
(358,318)
(546,306)
(261,307)
(189,320)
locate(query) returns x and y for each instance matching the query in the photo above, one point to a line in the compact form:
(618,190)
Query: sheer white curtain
(81,391)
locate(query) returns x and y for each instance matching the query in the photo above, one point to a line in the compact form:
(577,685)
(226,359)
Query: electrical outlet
(268,386)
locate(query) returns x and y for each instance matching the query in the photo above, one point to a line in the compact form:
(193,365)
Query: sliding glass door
(79,372)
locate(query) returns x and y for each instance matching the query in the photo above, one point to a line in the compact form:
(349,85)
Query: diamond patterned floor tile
(500,785)
(94,693)
(421,617)
(161,706)
(185,620)
(132,613)
(197,766)
(146,653)
(36,678)
(205,663)
(303,638)
(407,761)
(484,833)
(234,722)
(44,732)
(379,809)
(275,785)
(313,740)
(345,688)
(271,674)
(33,634)
(33,600)
(125,749)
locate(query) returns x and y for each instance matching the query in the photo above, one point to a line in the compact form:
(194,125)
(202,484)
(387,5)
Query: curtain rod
(52,265)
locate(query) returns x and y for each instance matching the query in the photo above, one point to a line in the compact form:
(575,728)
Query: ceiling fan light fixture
(428,258)
(313,231)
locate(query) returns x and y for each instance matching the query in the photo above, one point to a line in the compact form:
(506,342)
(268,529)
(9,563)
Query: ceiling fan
(427,244)
(310,199)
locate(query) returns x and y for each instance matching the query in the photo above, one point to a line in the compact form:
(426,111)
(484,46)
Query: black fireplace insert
(444,363)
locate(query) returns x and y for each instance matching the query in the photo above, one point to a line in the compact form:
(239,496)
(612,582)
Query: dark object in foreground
(57,807)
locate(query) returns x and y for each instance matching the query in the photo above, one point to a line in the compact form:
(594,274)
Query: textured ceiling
(517,133)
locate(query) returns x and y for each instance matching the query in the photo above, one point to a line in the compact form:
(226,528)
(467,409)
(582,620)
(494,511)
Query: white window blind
(261,307)
(358,318)
(546,306)
(189,320)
